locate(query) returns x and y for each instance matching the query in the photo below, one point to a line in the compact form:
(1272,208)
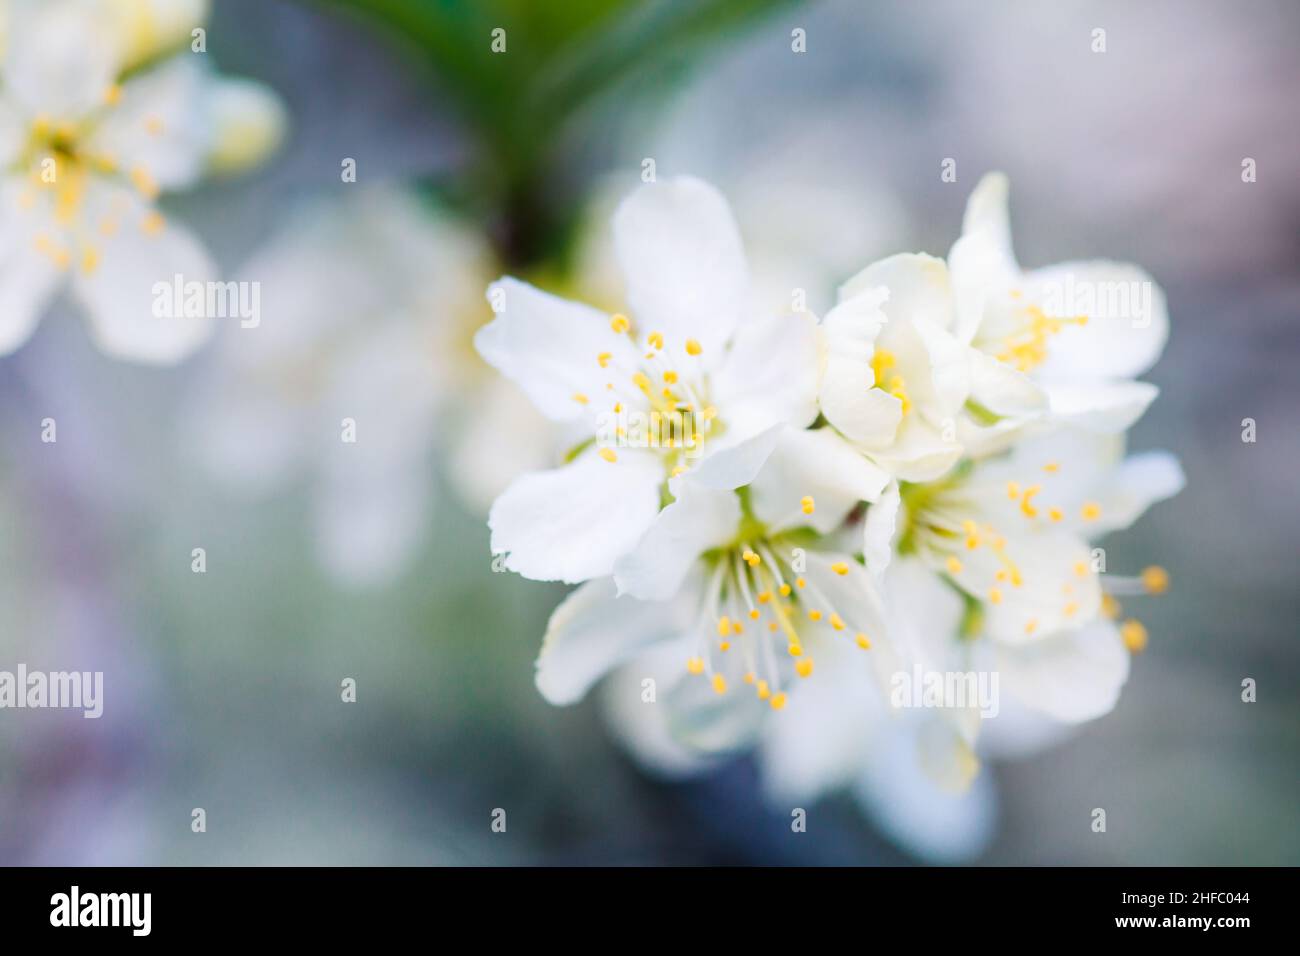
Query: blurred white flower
(96,122)
(368,305)
(696,364)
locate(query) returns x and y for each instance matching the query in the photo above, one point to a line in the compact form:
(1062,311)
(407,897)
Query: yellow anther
(1013,490)
(1052,467)
(837,622)
(800,583)
(113,95)
(619,323)
(755,614)
(153,224)
(678,470)
(710,413)
(764,597)
(580,398)
(1055,514)
(724,646)
(778,701)
(724,626)
(752,559)
(656,340)
(773,626)
(796,650)
(609,455)
(89,260)
(693,347)
(1155,579)
(995,596)
(641,381)
(972,542)
(762,689)
(954,565)
(670,377)
(737,627)
(814,615)
(804,668)
(1026,503)
(1110,607)
(1001,575)
(1031,625)
(785,590)
(807,504)
(695,665)
(840,568)
(1071,609)
(719,684)
(1080,568)
(144,183)
(749,677)
(603,358)
(863,642)
(1091,511)
(1134,635)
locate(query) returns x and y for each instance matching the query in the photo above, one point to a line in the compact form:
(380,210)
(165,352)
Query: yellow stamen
(804,668)
(778,701)
(954,565)
(719,684)
(619,323)
(840,568)
(1091,511)
(1134,635)
(695,665)
(609,455)
(1155,579)
(863,642)
(656,340)
(693,347)
(580,398)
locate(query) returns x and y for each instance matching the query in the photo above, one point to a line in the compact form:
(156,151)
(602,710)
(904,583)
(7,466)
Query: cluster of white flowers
(781,513)
(105,105)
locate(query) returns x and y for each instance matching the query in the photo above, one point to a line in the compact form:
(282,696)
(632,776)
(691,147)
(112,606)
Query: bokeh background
(222,689)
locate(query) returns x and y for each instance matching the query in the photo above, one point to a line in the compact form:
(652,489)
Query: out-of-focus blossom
(100,115)
(697,366)
(368,308)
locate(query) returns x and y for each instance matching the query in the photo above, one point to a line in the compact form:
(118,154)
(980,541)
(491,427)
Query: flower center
(883,362)
(1026,347)
(757,603)
(657,400)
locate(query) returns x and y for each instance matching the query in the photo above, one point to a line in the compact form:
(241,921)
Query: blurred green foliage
(525,106)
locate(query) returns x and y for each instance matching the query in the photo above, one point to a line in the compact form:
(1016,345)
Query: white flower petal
(573,523)
(879,529)
(160,128)
(118,294)
(1071,676)
(592,632)
(769,375)
(61,58)
(814,463)
(920,453)
(701,518)
(1107,407)
(29,280)
(918,288)
(644,729)
(1127,327)
(147,28)
(1049,563)
(1139,482)
(987,214)
(868,415)
(549,347)
(736,465)
(681,254)
(938,825)
(1003,390)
